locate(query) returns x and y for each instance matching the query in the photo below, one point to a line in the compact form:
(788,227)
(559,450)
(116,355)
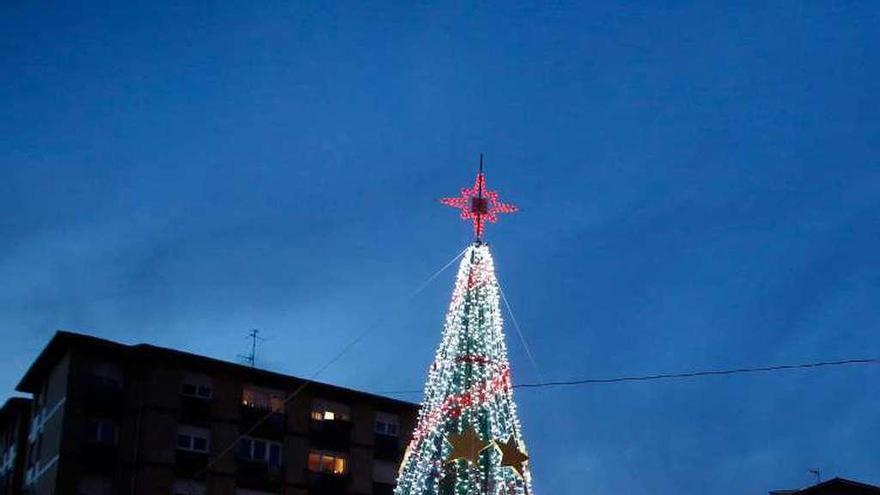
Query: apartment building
(15,418)
(109,418)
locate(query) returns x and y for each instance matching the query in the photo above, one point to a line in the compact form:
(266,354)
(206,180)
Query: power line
(316,374)
(673,376)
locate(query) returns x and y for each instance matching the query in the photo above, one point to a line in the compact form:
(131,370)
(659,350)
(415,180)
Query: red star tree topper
(479,204)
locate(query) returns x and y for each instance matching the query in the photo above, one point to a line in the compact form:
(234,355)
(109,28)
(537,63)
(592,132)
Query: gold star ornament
(466,445)
(512,456)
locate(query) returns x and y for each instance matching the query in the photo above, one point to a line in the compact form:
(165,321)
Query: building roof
(63,341)
(14,406)
(835,486)
(60,344)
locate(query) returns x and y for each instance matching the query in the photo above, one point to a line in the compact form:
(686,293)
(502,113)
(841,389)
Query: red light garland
(478,204)
(453,406)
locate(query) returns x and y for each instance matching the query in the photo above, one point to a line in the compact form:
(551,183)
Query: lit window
(255,449)
(193,439)
(323,410)
(267,400)
(327,462)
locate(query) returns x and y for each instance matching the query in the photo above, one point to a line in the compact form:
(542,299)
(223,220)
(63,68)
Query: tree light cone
(468,396)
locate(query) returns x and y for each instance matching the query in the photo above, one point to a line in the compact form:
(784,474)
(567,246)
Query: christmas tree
(468,439)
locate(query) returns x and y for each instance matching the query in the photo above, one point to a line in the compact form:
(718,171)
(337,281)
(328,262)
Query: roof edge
(54,350)
(62,340)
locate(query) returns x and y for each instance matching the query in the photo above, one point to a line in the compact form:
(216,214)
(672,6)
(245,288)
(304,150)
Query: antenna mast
(251,359)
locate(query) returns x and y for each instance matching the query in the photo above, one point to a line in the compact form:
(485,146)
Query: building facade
(109,418)
(15,418)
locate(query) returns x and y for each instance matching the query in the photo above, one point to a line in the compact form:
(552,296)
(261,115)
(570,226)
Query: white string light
(468,387)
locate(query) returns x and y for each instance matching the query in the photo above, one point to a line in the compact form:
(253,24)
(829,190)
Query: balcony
(330,435)
(258,475)
(271,427)
(386,448)
(187,464)
(326,483)
(195,410)
(383,488)
(98,458)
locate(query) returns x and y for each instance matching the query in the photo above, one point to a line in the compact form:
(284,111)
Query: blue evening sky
(699,184)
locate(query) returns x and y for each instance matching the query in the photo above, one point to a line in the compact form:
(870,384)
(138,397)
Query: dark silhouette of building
(834,486)
(109,418)
(15,418)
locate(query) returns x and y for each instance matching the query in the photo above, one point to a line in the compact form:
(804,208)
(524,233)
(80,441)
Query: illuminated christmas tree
(468,439)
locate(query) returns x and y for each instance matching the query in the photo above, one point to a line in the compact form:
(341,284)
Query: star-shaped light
(512,456)
(466,445)
(478,204)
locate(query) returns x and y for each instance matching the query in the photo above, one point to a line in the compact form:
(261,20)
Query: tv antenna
(817,473)
(251,359)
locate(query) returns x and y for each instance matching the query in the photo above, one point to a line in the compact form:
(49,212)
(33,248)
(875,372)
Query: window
(193,439)
(187,488)
(101,431)
(327,462)
(8,460)
(33,455)
(323,410)
(257,398)
(194,385)
(255,449)
(387,424)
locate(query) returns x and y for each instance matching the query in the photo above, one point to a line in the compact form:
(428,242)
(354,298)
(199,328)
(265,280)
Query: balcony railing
(188,464)
(265,422)
(102,398)
(386,447)
(258,475)
(326,483)
(195,410)
(330,435)
(98,457)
